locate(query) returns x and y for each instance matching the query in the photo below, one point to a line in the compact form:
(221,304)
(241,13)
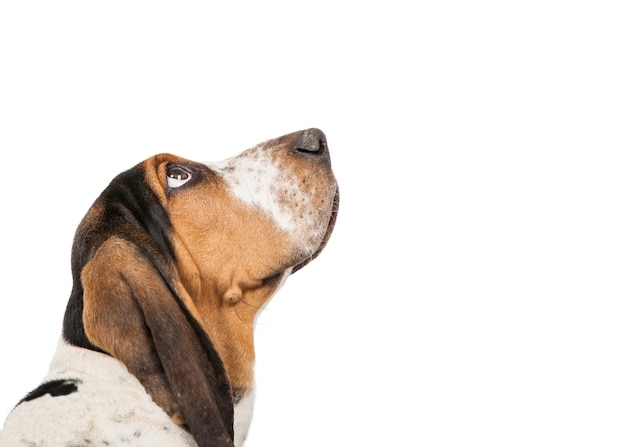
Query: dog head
(175,258)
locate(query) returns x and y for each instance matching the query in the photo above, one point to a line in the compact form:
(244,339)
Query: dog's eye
(177,176)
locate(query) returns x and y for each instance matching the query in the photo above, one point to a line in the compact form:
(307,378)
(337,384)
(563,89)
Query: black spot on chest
(54,388)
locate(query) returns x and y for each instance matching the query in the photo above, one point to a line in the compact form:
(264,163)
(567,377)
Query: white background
(473,292)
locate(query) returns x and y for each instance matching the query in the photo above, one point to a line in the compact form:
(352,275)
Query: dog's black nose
(312,141)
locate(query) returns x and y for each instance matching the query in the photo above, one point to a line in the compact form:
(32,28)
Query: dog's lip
(325,239)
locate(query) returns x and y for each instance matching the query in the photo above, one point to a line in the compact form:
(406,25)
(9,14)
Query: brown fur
(172,289)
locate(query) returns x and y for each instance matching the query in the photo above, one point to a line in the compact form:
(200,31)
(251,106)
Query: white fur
(243,418)
(258,179)
(110,408)
(254,178)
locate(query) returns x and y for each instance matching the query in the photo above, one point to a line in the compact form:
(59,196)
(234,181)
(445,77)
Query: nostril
(311,146)
(311,141)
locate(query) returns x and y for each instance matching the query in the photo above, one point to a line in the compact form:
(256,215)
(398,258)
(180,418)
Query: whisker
(241,319)
(250,305)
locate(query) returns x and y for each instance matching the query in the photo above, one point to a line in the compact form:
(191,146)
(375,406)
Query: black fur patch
(54,388)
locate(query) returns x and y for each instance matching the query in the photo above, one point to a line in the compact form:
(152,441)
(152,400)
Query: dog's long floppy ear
(126,302)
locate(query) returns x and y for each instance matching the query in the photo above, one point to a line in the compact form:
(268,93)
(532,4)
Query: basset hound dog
(170,266)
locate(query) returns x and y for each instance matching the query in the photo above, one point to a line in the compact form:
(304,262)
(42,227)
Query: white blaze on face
(256,178)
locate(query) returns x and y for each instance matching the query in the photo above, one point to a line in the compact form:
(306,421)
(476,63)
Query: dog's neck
(230,324)
(227,310)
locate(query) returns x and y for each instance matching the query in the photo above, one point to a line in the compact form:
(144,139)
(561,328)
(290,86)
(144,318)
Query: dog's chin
(329,229)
